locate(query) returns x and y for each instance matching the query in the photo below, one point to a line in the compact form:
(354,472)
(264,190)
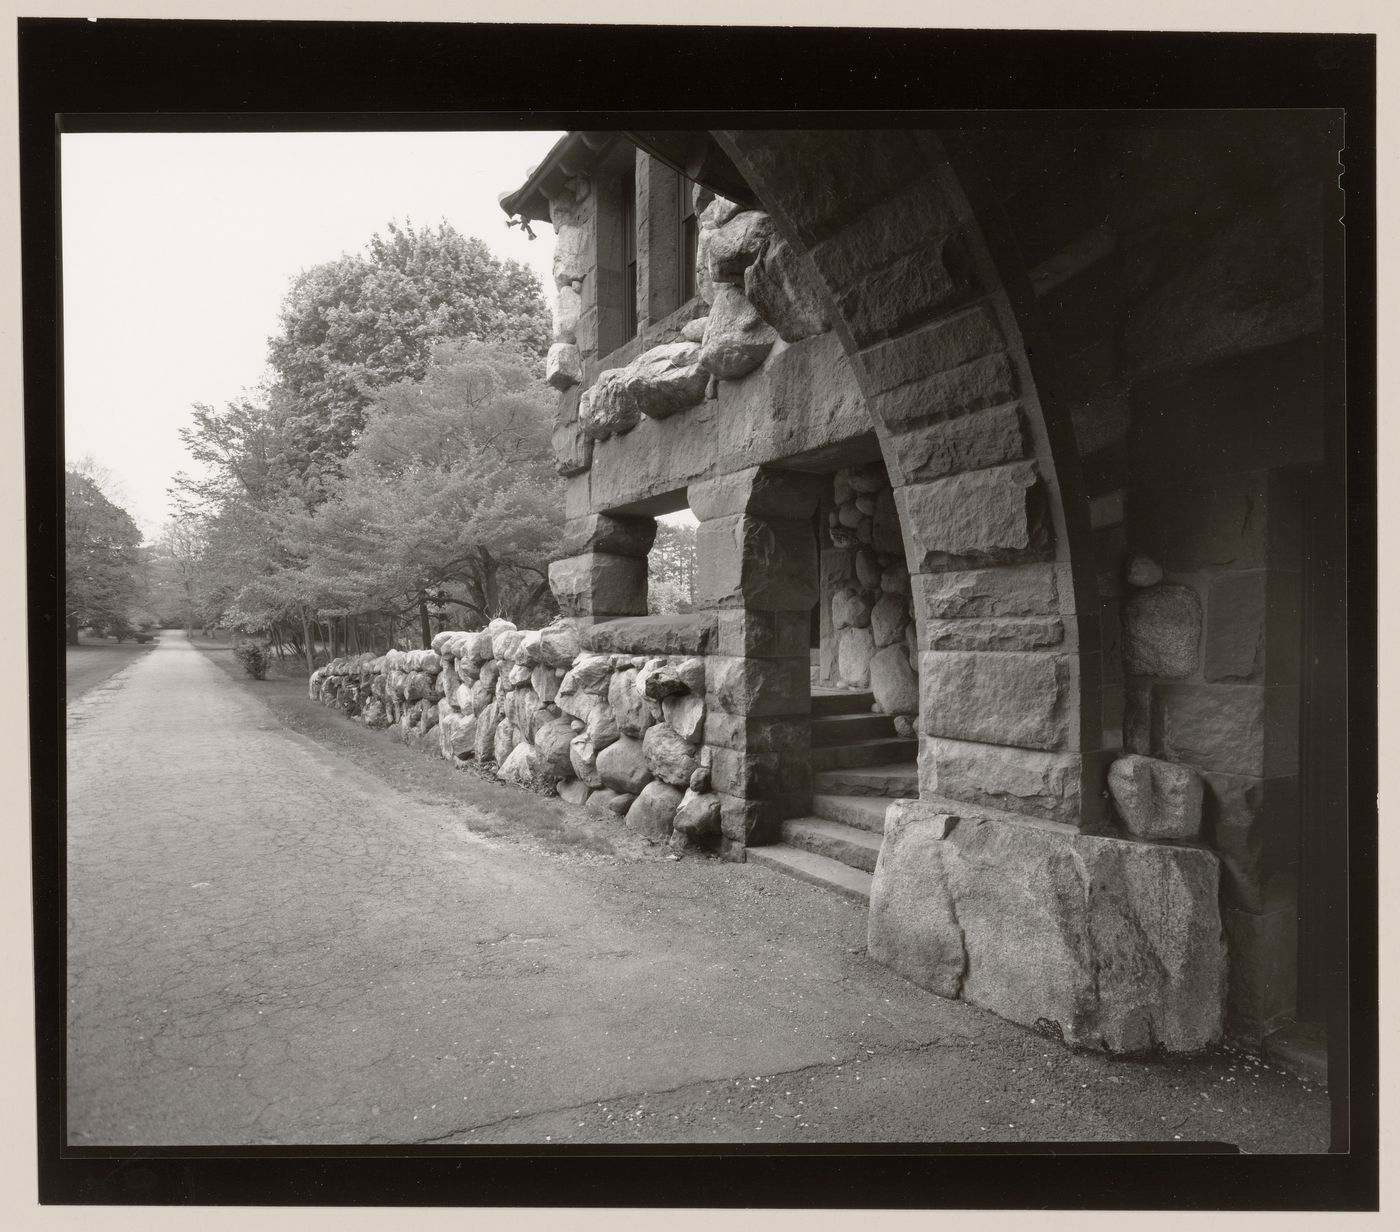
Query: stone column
(605,574)
(757,566)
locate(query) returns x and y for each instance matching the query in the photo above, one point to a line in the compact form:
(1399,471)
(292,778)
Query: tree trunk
(424,627)
(306,636)
(490,585)
(71,631)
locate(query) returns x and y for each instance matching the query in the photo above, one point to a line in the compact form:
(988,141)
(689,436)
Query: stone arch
(986,481)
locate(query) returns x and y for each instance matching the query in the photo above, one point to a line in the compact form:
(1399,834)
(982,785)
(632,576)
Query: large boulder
(589,674)
(622,766)
(715,210)
(629,707)
(584,686)
(853,655)
(892,682)
(1156,799)
(505,643)
(600,801)
(552,743)
(782,294)
(527,653)
(583,758)
(888,618)
(667,379)
(737,244)
(685,713)
(559,645)
(654,811)
(737,339)
(608,407)
(1107,943)
(479,645)
(573,791)
(660,680)
(521,707)
(457,733)
(691,672)
(697,816)
(508,737)
(669,757)
(521,766)
(601,726)
(563,366)
(486,723)
(850,609)
(544,681)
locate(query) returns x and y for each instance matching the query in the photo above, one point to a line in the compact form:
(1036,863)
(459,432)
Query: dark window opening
(629,255)
(689,246)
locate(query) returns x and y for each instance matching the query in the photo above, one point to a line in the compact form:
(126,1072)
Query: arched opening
(1002,577)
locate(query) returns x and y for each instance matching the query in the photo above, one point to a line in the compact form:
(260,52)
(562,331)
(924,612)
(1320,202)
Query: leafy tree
(357,325)
(449,498)
(102,558)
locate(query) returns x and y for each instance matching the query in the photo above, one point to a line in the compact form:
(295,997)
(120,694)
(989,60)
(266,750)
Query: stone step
(840,701)
(894,779)
(863,812)
(866,753)
(818,870)
(855,848)
(831,729)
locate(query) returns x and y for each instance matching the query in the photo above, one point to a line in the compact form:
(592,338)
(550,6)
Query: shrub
(254,659)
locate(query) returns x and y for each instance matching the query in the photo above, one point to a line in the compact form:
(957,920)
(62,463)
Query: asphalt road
(269,944)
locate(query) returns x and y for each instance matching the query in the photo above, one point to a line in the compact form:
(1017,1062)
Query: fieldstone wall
(622,734)
(869,639)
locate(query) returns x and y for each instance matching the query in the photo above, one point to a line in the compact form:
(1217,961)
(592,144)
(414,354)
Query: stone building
(1014,454)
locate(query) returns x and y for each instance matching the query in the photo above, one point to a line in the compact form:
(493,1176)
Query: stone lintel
(600,585)
(613,533)
(759,490)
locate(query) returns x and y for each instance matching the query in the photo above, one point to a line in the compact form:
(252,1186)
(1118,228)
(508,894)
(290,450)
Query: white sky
(178,248)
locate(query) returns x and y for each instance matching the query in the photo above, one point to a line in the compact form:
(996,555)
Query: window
(629,254)
(688,234)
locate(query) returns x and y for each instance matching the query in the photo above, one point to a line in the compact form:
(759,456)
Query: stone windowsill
(668,329)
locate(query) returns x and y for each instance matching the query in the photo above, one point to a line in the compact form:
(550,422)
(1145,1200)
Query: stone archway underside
(1009,672)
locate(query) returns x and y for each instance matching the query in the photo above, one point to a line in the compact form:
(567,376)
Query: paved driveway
(270,945)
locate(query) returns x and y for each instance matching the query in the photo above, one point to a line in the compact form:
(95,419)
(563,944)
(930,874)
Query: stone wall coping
(680,633)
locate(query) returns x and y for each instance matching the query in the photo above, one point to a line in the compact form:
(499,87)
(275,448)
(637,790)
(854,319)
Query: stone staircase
(859,764)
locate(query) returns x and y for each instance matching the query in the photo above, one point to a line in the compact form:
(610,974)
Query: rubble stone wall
(622,733)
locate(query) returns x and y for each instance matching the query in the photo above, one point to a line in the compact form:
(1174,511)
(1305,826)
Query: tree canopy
(102,561)
(395,466)
(351,327)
